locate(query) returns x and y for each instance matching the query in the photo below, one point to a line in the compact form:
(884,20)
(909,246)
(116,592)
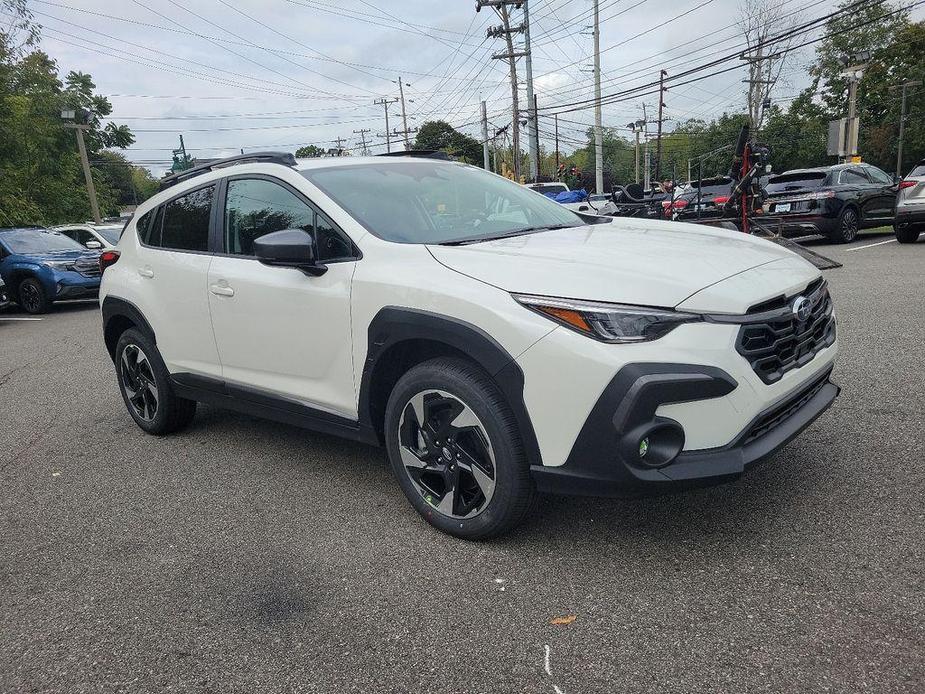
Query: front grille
(777,343)
(88,267)
(771,420)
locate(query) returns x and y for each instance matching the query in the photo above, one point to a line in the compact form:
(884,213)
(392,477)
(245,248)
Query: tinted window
(185,224)
(853,177)
(38,241)
(795,181)
(255,207)
(918,170)
(878,176)
(435,201)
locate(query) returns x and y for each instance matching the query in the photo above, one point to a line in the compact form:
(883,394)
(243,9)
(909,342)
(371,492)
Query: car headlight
(61,264)
(615,323)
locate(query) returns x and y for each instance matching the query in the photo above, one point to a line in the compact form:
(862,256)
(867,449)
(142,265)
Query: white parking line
(2,318)
(870,245)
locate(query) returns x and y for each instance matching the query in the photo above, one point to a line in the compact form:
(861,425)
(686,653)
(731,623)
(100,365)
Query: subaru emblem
(802,308)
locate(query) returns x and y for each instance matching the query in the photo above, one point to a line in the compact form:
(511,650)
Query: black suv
(835,201)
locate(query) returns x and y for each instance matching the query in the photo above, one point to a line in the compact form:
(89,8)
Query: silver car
(910,206)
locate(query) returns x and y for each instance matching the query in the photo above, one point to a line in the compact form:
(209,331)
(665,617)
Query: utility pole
(646,161)
(637,127)
(661,104)
(533,127)
(505,30)
(853,72)
(902,122)
(386,103)
(362,133)
(557,145)
(485,136)
(598,130)
(404,115)
(340,145)
(85,162)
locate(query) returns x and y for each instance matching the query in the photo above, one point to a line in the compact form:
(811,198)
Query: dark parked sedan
(835,201)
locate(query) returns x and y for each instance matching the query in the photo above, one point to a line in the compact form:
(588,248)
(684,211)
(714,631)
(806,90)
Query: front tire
(456,451)
(145,385)
(848,226)
(907,234)
(30,294)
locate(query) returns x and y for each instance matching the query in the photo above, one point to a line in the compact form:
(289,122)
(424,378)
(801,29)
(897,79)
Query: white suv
(495,343)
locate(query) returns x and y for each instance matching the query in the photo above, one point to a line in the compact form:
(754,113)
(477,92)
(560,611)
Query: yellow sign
(855,160)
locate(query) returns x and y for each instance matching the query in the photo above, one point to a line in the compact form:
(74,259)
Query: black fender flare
(393,325)
(114,308)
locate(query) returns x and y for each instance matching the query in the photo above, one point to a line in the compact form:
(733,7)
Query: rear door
(172,268)
(280,332)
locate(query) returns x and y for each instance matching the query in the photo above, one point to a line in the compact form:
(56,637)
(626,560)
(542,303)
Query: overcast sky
(278,74)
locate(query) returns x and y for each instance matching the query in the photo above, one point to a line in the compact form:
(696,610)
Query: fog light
(643,447)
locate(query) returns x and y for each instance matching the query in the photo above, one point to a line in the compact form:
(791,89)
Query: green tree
(440,135)
(309,151)
(41,181)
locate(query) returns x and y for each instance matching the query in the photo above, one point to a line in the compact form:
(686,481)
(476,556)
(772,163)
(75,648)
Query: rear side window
(853,176)
(918,171)
(181,224)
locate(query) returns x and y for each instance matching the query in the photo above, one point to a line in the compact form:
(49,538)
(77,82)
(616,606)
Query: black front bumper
(603,461)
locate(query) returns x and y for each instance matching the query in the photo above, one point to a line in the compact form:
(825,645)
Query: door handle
(146,272)
(221,290)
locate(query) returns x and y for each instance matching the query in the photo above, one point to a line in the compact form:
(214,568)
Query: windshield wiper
(509,234)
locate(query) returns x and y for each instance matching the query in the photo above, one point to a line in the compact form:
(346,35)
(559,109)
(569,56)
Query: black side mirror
(289,248)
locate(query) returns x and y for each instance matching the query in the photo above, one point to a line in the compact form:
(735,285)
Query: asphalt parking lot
(247,556)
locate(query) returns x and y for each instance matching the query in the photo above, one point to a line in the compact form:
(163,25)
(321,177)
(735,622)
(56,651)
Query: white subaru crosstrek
(497,344)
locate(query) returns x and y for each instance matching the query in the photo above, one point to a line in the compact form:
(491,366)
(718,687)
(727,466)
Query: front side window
(255,207)
(878,176)
(430,201)
(183,223)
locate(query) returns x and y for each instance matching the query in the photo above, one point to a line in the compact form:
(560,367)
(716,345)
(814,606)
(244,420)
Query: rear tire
(848,225)
(456,451)
(145,386)
(906,234)
(30,294)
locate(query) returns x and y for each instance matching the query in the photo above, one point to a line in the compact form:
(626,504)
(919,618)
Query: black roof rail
(284,158)
(421,153)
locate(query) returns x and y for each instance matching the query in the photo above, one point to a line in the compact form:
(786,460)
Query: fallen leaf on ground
(568,619)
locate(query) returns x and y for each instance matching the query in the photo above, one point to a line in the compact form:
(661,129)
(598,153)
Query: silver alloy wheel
(446,453)
(138,382)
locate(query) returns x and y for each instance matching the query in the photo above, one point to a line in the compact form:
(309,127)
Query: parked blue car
(40,266)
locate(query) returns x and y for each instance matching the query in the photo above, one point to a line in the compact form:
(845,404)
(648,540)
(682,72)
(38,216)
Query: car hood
(631,261)
(64,255)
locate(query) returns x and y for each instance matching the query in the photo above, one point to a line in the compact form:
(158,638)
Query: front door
(279,331)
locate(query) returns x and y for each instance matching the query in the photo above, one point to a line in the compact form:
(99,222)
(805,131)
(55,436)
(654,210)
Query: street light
(79,120)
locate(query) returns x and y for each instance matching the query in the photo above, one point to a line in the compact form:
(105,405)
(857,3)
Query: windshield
(111,234)
(435,202)
(796,181)
(38,241)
